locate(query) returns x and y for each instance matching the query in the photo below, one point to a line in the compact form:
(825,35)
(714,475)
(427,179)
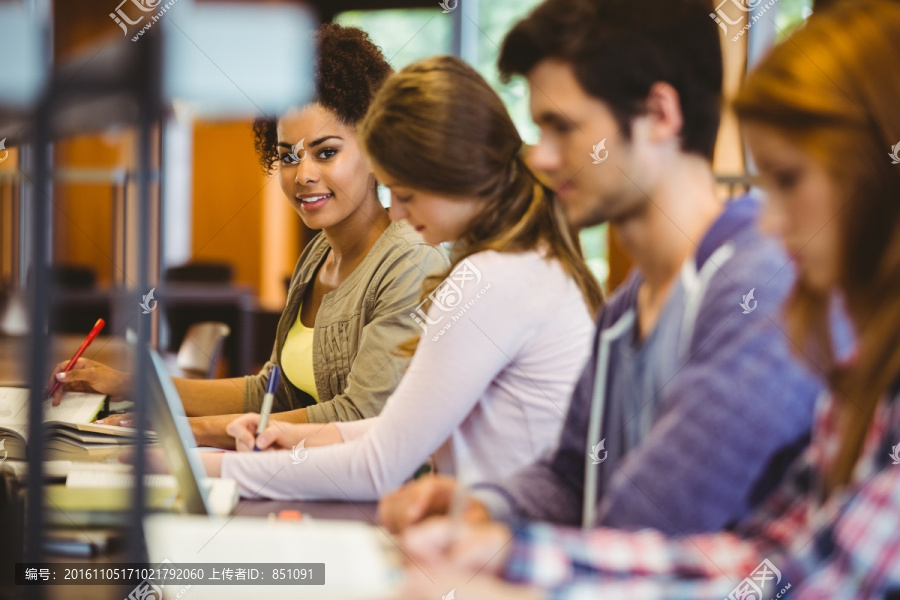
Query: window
(404,35)
(495,19)
(791,14)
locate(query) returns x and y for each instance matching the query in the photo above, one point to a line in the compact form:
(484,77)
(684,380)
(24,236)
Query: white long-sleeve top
(486,392)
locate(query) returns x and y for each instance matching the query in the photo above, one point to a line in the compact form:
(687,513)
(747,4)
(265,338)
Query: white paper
(76,407)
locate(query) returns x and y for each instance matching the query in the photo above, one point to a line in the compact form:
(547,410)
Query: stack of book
(70,433)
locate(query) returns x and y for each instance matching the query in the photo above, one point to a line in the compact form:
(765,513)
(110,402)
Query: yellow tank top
(296,358)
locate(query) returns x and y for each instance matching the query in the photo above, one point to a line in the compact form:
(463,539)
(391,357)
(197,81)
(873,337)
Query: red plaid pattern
(847,548)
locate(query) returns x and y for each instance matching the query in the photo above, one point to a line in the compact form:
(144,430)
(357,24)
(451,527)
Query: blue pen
(274,378)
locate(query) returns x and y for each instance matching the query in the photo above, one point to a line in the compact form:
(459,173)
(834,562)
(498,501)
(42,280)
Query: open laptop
(201,495)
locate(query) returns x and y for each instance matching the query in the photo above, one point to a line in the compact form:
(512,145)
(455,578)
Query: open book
(70,433)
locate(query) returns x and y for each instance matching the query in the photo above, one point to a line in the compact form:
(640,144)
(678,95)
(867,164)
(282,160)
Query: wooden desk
(111,351)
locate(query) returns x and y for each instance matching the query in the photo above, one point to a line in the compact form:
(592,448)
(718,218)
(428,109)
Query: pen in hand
(274,379)
(98,327)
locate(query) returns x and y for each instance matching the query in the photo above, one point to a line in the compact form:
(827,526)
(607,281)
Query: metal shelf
(108,85)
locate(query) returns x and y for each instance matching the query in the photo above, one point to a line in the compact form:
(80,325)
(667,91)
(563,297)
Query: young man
(830,530)
(691,406)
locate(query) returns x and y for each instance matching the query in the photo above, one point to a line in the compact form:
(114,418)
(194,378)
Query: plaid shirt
(848,547)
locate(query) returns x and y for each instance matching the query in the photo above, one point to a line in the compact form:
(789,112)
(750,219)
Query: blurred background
(227,239)
(130,189)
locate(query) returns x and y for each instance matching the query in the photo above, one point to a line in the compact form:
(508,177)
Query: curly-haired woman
(355,284)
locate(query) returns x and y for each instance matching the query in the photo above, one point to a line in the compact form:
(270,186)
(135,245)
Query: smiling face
(437,218)
(802,205)
(330,177)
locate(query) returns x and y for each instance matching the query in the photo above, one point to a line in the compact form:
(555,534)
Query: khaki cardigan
(357,330)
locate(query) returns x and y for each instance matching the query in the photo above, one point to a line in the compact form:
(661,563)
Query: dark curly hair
(349,70)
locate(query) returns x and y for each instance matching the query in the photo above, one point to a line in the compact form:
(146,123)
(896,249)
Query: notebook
(70,434)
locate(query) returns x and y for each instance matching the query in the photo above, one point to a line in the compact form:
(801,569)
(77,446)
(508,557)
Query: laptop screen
(176,439)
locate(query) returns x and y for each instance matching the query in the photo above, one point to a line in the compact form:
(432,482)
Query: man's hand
(426,497)
(471,548)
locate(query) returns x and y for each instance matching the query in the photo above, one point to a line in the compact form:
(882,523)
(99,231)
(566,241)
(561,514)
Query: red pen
(98,327)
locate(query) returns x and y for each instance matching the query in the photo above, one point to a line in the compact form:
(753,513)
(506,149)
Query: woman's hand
(277,436)
(120,420)
(89,376)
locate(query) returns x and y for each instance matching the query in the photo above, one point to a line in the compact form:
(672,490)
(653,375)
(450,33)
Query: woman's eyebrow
(312,144)
(322,140)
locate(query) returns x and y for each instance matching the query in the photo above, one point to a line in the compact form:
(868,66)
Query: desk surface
(348,511)
(111,351)
(354,511)
(114,352)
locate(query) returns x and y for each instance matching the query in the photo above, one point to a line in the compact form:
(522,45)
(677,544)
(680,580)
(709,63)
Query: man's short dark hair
(620,48)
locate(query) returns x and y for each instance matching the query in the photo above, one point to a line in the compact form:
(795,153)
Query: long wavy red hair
(834,91)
